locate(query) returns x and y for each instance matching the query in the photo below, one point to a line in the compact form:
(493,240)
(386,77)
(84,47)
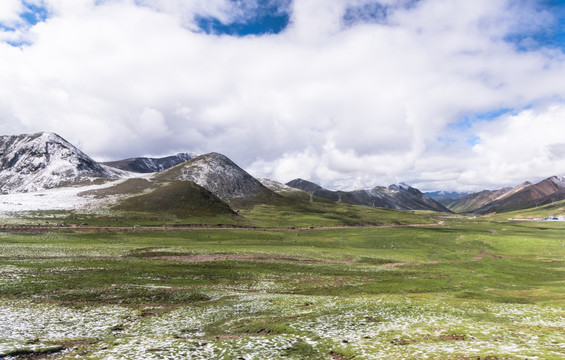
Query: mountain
(221,176)
(472,202)
(149,165)
(45,160)
(315,189)
(528,195)
(400,197)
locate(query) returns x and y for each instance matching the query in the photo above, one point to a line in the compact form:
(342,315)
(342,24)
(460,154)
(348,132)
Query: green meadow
(356,283)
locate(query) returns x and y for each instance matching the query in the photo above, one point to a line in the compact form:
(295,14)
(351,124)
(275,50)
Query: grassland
(462,289)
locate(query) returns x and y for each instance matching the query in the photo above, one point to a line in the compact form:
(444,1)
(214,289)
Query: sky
(441,94)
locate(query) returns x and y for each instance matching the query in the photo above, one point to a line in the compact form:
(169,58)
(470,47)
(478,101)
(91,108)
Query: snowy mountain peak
(400,186)
(43,160)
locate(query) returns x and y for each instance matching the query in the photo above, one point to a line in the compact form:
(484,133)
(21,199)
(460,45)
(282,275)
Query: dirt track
(86,228)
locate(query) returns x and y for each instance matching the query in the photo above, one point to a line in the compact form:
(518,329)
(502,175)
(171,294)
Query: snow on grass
(406,329)
(26,325)
(11,273)
(265,326)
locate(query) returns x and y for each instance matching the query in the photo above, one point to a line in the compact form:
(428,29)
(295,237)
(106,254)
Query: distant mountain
(400,197)
(315,189)
(218,174)
(472,202)
(149,165)
(45,160)
(446,197)
(528,195)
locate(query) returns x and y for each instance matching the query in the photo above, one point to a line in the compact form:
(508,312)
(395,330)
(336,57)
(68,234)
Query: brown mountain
(526,196)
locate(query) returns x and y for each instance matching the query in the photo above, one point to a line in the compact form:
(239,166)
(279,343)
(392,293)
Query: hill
(221,176)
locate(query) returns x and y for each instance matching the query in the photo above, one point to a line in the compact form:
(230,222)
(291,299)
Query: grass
(179,198)
(466,289)
(554,209)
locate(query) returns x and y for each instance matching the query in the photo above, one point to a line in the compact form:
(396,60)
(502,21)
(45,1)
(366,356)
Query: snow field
(369,327)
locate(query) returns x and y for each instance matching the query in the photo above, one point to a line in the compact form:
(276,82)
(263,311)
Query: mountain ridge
(396,196)
(146,165)
(528,195)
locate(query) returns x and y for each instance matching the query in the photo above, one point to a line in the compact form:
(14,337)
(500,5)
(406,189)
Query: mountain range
(523,196)
(31,163)
(399,197)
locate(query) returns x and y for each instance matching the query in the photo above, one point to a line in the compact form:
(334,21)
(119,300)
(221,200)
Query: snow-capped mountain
(218,174)
(396,196)
(45,160)
(36,162)
(150,165)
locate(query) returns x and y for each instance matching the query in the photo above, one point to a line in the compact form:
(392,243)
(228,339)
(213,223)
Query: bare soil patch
(411,264)
(266,258)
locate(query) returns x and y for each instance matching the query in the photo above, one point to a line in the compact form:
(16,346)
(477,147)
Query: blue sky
(441,94)
(272,17)
(549,34)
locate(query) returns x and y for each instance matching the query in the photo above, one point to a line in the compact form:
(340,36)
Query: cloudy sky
(440,94)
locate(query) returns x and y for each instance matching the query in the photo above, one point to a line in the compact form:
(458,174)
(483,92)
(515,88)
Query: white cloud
(528,143)
(10,11)
(152,123)
(348,106)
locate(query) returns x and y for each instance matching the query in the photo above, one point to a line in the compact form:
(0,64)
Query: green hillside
(182,199)
(554,209)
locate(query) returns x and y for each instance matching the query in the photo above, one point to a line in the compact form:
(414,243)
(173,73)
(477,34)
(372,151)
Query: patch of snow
(63,198)
(273,184)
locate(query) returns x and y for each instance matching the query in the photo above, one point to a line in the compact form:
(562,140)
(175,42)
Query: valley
(200,260)
(462,290)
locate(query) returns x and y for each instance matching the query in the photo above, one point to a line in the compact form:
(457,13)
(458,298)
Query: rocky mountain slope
(523,196)
(45,160)
(474,201)
(149,165)
(400,197)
